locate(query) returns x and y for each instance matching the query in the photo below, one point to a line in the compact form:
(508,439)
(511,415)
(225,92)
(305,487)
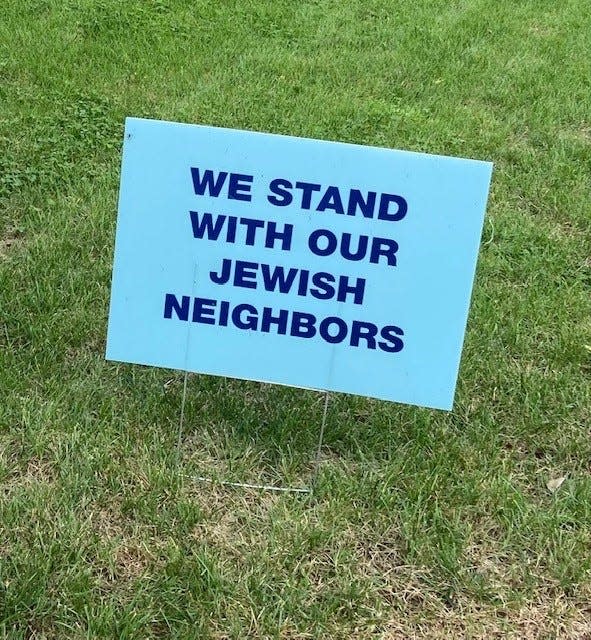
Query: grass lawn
(424,524)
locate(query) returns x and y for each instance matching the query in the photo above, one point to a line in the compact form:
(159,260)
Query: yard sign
(315,264)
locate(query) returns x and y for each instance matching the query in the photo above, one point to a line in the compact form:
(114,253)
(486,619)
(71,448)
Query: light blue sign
(301,262)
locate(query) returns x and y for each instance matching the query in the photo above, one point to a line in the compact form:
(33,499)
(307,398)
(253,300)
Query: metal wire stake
(320,440)
(248,485)
(182,420)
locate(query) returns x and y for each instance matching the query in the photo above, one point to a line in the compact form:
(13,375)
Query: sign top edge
(131,119)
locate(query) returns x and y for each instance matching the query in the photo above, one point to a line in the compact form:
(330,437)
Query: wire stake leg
(181,421)
(320,440)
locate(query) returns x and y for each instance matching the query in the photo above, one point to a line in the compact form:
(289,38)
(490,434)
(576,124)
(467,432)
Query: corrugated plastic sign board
(302,262)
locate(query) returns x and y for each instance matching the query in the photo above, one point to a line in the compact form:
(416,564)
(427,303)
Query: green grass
(424,524)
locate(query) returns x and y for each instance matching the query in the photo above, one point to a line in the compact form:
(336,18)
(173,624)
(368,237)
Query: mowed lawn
(424,524)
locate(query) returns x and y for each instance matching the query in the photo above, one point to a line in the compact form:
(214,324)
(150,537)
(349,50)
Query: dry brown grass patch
(10,239)
(557,619)
(37,473)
